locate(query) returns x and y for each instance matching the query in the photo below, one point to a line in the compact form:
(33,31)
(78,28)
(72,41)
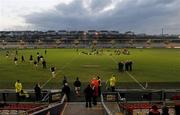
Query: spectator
(88,95)
(108,84)
(18,87)
(177,109)
(4,98)
(154,111)
(112,83)
(95,86)
(37,91)
(99,83)
(66,91)
(64,80)
(77,86)
(165,111)
(23,94)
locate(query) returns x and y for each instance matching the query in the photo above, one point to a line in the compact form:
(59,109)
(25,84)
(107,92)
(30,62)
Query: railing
(9,95)
(107,111)
(145,98)
(121,101)
(9,98)
(36,109)
(111,98)
(148,94)
(46,97)
(53,109)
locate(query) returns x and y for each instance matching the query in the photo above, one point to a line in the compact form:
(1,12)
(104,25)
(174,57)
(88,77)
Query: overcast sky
(140,16)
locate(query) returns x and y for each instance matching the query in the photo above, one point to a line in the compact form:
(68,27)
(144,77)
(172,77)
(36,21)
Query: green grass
(152,65)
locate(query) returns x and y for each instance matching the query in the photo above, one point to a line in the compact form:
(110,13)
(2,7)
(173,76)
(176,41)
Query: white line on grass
(129,74)
(58,71)
(136,80)
(115,61)
(65,65)
(47,82)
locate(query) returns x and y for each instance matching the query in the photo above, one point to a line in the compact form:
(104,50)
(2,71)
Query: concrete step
(113,106)
(78,108)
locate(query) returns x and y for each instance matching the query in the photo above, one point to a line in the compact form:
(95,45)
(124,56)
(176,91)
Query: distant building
(62,32)
(51,33)
(129,33)
(92,32)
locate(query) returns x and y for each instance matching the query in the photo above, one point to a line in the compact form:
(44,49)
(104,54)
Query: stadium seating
(20,106)
(176,97)
(131,106)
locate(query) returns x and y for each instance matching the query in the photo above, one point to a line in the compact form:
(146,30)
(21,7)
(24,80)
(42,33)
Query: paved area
(78,108)
(113,107)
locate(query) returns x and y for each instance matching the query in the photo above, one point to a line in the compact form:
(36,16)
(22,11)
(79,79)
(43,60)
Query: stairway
(78,108)
(114,108)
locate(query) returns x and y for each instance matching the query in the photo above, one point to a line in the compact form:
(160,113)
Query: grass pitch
(149,65)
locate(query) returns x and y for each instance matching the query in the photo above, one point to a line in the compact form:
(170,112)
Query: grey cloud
(98,5)
(137,15)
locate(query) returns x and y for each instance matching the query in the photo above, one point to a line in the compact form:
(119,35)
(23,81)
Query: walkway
(78,108)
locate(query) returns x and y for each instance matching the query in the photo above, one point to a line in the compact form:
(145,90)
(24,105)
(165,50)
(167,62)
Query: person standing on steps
(112,83)
(88,92)
(66,91)
(95,87)
(37,91)
(99,85)
(18,87)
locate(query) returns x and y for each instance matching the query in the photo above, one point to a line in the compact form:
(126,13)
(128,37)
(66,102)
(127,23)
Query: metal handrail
(148,90)
(43,106)
(50,106)
(105,107)
(28,90)
(46,97)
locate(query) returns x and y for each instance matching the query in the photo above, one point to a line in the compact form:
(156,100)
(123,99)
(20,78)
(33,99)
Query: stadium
(89,57)
(153,80)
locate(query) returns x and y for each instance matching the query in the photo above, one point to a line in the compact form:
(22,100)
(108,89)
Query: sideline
(135,80)
(59,71)
(132,77)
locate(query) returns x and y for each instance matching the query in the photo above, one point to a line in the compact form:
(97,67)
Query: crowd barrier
(29,105)
(140,101)
(52,109)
